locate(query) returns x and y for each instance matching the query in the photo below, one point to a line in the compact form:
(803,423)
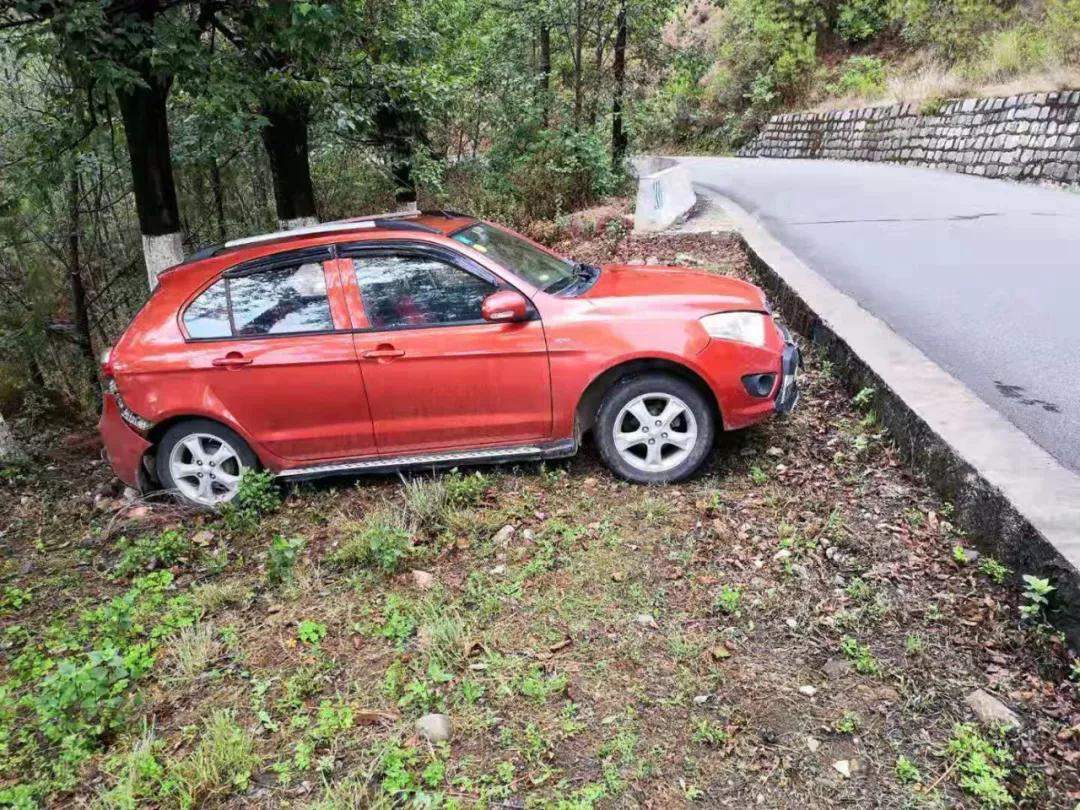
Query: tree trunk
(80,313)
(618,132)
(146,127)
(400,131)
(579,36)
(10,450)
(545,71)
(286,140)
(219,197)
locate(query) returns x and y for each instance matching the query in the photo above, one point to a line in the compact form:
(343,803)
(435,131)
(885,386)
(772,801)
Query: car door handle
(382,353)
(231,360)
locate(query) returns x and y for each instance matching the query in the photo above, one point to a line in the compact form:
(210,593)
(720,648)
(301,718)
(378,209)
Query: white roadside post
(663,197)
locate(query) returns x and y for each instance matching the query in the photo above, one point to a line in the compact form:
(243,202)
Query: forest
(135,133)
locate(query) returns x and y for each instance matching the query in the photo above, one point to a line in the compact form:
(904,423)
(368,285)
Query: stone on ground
(434,727)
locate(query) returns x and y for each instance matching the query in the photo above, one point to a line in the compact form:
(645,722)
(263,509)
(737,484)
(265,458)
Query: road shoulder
(1010,493)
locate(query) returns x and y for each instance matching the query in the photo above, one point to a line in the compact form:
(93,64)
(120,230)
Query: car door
(272,348)
(438,375)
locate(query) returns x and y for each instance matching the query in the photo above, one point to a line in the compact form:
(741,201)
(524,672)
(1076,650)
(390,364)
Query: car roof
(438,222)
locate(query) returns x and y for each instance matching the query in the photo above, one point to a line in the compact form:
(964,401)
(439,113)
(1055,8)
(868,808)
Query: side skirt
(485,455)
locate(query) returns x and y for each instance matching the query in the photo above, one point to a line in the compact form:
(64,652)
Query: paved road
(982,275)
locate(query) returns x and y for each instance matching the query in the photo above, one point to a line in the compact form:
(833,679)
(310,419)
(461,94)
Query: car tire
(201,462)
(641,440)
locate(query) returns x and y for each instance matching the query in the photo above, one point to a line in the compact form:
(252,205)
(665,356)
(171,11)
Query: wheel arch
(589,402)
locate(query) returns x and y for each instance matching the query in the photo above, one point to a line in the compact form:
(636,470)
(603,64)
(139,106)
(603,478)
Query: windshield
(538,267)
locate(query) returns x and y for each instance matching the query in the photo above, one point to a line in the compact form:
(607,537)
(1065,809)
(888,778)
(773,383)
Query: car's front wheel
(202,462)
(654,429)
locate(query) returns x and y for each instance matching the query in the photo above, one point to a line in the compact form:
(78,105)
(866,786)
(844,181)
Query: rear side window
(288,299)
(283,300)
(208,315)
(403,291)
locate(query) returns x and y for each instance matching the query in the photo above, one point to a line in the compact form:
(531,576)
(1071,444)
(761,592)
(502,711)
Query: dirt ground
(799,626)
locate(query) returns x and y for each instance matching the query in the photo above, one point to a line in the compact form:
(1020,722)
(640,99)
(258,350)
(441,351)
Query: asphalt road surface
(982,275)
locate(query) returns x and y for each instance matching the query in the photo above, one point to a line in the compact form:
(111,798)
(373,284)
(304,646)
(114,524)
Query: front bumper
(788,395)
(124,447)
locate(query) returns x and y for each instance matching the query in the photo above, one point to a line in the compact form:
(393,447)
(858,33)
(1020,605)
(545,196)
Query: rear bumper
(124,447)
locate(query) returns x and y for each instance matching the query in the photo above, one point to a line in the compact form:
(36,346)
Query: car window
(519,256)
(208,315)
(401,291)
(286,299)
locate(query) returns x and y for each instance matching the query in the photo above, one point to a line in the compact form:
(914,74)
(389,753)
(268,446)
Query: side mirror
(505,306)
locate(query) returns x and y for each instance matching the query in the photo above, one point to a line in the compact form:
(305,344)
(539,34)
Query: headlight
(745,327)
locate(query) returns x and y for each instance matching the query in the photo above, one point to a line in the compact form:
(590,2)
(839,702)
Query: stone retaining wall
(1029,137)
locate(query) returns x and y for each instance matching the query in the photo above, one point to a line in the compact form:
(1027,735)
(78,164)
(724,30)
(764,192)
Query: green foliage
(399,622)
(381,540)
(1037,595)
(708,733)
(991,568)
(256,496)
(860,20)
(66,696)
(952,28)
(465,490)
(907,771)
(541,173)
(1009,52)
(311,632)
(861,656)
(728,600)
(862,76)
(982,767)
(149,552)
(1063,28)
(281,559)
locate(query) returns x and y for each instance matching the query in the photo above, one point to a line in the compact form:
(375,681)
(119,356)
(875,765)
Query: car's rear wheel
(202,462)
(654,429)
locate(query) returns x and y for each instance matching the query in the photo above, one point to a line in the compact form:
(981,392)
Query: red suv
(374,344)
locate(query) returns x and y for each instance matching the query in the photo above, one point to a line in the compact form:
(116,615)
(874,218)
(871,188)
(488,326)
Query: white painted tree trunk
(299,222)
(160,253)
(10,451)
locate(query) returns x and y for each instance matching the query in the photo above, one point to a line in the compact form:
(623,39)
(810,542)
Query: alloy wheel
(655,432)
(205,468)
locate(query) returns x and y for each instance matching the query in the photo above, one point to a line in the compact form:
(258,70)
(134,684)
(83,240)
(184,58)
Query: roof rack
(443,212)
(396,220)
(311,230)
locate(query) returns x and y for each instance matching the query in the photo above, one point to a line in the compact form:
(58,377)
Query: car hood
(678,287)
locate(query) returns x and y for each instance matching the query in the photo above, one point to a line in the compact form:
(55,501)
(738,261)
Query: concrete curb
(1012,496)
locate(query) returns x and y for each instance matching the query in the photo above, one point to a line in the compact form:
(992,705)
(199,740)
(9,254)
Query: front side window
(403,290)
(284,300)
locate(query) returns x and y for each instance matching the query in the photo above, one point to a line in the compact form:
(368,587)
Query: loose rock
(434,727)
(988,709)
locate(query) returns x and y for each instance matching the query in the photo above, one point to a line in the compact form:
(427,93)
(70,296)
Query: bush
(257,496)
(381,540)
(1063,28)
(952,28)
(1010,52)
(860,20)
(281,559)
(534,174)
(862,76)
(766,56)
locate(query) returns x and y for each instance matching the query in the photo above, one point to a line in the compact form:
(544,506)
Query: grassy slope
(618,644)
